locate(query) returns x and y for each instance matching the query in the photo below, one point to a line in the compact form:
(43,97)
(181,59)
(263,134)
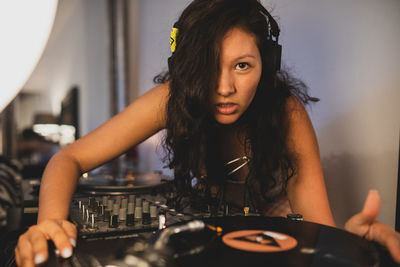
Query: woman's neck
(232,147)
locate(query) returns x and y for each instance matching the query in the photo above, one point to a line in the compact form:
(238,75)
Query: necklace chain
(244,158)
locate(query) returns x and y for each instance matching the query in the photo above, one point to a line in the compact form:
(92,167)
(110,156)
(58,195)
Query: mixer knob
(122,214)
(107,214)
(146,213)
(113,223)
(131,198)
(138,202)
(118,200)
(146,206)
(246,211)
(104,200)
(131,208)
(83,212)
(91,202)
(95,208)
(115,209)
(226,210)
(92,224)
(130,217)
(110,204)
(100,212)
(153,211)
(138,213)
(162,221)
(87,215)
(124,203)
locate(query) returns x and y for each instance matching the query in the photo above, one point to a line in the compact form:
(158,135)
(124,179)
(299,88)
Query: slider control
(130,215)
(146,213)
(113,223)
(138,214)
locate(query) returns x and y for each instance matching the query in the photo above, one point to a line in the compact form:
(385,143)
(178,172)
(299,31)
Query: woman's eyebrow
(244,56)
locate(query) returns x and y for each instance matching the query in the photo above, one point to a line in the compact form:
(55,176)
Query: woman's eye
(242,66)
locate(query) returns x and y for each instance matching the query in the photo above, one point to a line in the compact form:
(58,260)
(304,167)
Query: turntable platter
(109,184)
(266,241)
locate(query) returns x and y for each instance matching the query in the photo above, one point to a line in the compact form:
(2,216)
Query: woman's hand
(32,245)
(365,224)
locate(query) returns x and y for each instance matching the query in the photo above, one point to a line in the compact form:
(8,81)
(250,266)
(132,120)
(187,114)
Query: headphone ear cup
(273,52)
(277,56)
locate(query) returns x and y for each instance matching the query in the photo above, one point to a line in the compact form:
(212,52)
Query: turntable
(232,241)
(266,241)
(111,234)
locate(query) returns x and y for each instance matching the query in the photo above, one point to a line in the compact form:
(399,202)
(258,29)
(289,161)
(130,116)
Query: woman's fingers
(32,248)
(24,251)
(39,245)
(386,236)
(364,224)
(359,224)
(393,245)
(54,231)
(70,229)
(371,206)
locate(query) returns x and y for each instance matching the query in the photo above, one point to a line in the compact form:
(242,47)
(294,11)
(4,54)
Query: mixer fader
(122,215)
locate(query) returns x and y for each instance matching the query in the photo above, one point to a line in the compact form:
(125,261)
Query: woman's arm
(307,193)
(138,121)
(306,190)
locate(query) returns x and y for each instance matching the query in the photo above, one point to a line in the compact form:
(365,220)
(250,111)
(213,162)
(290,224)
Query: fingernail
(73,242)
(39,258)
(66,252)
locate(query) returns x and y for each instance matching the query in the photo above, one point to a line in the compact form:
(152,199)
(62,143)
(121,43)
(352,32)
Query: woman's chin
(226,120)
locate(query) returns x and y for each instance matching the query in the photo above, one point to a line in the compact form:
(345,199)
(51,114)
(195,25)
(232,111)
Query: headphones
(275,48)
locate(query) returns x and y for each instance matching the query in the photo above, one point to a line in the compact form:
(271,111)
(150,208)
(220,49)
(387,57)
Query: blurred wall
(77,54)
(347,52)
(154,26)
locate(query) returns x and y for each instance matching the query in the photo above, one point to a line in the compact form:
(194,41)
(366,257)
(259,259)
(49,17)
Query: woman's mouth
(226,108)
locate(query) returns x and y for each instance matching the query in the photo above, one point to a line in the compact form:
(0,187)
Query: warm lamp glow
(25,27)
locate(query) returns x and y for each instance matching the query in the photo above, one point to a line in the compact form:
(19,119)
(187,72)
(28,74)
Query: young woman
(223,99)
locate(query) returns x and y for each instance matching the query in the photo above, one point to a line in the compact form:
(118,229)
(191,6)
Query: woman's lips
(226,108)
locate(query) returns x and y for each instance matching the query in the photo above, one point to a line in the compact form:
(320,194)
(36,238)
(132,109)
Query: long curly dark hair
(194,68)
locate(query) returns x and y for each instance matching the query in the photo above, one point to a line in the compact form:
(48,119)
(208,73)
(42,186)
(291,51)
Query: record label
(259,241)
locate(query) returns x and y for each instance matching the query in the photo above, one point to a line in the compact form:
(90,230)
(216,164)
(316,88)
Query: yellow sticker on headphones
(172,39)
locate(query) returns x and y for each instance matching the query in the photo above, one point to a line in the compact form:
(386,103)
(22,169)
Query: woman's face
(240,73)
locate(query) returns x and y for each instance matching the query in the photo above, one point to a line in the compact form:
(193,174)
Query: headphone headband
(274,32)
(274,25)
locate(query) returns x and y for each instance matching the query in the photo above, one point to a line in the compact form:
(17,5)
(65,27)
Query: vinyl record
(265,241)
(109,184)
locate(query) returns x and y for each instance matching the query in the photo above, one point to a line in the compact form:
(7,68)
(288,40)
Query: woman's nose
(226,85)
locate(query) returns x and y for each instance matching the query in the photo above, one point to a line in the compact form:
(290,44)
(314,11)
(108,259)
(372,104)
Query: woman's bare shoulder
(294,107)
